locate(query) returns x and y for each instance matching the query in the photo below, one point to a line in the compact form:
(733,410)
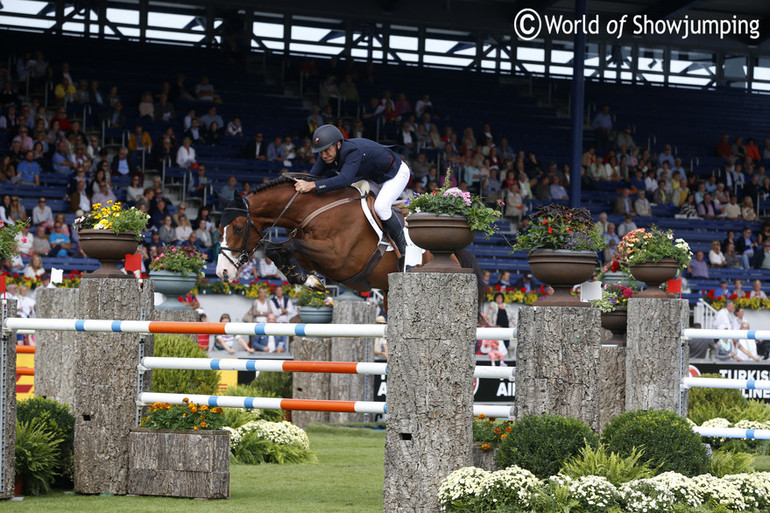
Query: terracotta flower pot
(109,248)
(562,269)
(654,274)
(616,322)
(442,235)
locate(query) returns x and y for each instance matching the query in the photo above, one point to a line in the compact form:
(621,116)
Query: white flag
(57,275)
(590,290)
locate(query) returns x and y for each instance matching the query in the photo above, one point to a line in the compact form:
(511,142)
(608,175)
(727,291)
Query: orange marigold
(485,447)
(481,416)
(497,431)
(503,436)
(203,424)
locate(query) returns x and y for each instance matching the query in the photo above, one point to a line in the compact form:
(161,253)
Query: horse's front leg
(287,263)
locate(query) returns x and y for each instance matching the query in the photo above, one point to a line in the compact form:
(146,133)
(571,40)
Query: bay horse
(327,233)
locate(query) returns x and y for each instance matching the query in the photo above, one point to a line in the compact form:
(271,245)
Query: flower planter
(654,274)
(315,314)
(442,235)
(616,322)
(186,463)
(172,285)
(109,248)
(562,269)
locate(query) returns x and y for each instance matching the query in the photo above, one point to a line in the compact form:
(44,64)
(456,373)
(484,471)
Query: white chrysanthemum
(754,487)
(751,424)
(510,486)
(717,422)
(279,432)
(722,491)
(462,484)
(235,437)
(594,493)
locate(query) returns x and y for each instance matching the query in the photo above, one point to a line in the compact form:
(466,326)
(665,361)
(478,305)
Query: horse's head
(239,237)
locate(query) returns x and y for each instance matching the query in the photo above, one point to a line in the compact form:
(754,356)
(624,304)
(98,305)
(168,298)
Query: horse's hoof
(313,282)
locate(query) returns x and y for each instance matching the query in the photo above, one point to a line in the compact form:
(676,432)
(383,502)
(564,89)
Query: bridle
(244,254)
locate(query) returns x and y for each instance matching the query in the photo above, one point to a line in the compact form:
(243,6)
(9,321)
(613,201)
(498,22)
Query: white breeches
(390,192)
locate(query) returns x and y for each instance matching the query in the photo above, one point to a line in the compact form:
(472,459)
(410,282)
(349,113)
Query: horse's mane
(285,178)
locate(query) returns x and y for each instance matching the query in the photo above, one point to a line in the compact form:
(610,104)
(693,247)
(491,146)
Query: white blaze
(223,264)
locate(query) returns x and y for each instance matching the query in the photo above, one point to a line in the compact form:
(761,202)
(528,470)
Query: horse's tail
(468,260)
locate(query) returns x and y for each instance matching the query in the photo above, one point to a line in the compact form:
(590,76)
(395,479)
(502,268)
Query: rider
(356,159)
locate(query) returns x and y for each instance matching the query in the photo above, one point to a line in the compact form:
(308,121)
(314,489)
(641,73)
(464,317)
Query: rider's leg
(388,194)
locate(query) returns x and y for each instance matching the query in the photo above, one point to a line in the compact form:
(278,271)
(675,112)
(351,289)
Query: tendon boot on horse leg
(393,228)
(287,263)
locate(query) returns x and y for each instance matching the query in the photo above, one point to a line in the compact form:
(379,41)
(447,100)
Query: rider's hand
(304,186)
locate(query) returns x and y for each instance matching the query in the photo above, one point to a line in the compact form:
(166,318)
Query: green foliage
(486,430)
(254,450)
(55,418)
(112,216)
(711,403)
(541,443)
(179,259)
(277,383)
(37,456)
(253,390)
(558,227)
(601,462)
(668,442)
(8,242)
(176,381)
(452,201)
(314,298)
(725,462)
(186,416)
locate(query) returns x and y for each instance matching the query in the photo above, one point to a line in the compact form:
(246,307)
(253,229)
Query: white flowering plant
(283,432)
(453,201)
(652,244)
(461,487)
(594,493)
(262,441)
(513,487)
(754,487)
(720,491)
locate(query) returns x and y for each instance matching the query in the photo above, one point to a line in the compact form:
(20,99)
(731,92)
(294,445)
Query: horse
(327,233)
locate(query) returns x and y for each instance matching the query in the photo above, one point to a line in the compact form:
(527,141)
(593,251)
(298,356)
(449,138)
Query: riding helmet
(325,136)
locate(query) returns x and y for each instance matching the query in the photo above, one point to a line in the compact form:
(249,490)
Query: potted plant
(654,257)
(562,243)
(108,233)
(175,271)
(180,451)
(314,306)
(445,221)
(614,306)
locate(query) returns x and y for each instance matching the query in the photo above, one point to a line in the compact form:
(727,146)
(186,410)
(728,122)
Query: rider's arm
(351,162)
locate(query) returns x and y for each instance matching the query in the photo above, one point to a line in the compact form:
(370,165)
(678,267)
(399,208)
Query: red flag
(133,262)
(2,284)
(674,286)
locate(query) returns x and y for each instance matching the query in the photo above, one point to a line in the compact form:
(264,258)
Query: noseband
(244,255)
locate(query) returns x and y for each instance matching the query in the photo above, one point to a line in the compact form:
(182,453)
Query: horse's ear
(231,211)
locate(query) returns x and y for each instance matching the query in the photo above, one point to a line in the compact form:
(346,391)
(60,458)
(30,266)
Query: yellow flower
(195,428)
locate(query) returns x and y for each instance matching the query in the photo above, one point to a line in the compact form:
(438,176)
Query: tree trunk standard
(106,383)
(557,366)
(55,352)
(311,385)
(431,336)
(612,385)
(351,387)
(8,409)
(654,357)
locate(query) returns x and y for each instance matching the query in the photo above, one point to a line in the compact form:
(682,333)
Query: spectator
(25,303)
(660,196)
(732,211)
(135,189)
(235,128)
(115,118)
(227,192)
(61,160)
(166,231)
(34,268)
(746,349)
(24,243)
(558,192)
(628,225)
(738,289)
(28,170)
(733,260)
(79,200)
(761,259)
(42,214)
(275,150)
(699,347)
(752,150)
(64,91)
(723,290)
(381,343)
(689,210)
(724,317)
(203,234)
(164,110)
(724,149)
(716,257)
(18,212)
(227,342)
(423,106)
(210,117)
(707,209)
(666,156)
(602,125)
(745,246)
(60,242)
(281,306)
(698,267)
(185,157)
(747,210)
(214,134)
(256,149)
(147,107)
(105,194)
(757,290)
(196,133)
(183,229)
(267,270)
(642,205)
(610,237)
(122,163)
(204,91)
(140,139)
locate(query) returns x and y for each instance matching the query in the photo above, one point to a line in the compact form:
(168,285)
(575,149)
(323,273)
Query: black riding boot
(393,228)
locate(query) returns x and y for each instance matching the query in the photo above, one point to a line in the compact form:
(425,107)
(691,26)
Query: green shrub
(668,442)
(252,390)
(541,443)
(725,462)
(277,383)
(601,462)
(37,456)
(710,403)
(54,418)
(254,450)
(176,381)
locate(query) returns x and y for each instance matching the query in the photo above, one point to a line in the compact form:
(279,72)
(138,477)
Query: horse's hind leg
(287,263)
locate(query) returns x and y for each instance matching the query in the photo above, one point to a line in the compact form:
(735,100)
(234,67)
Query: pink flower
(24,240)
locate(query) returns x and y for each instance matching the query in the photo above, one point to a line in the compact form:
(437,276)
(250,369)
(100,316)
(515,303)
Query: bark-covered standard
(8,407)
(351,387)
(612,386)
(55,352)
(311,385)
(654,353)
(187,463)
(557,366)
(431,335)
(105,383)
